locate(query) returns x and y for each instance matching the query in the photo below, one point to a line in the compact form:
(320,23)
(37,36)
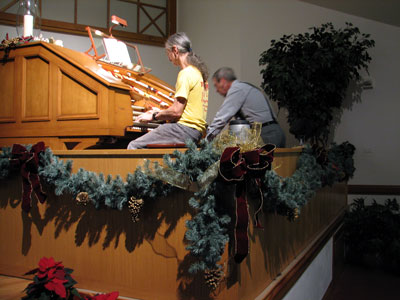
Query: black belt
(269,123)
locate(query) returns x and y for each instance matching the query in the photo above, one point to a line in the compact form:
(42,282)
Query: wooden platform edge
(367,189)
(286,280)
(12,287)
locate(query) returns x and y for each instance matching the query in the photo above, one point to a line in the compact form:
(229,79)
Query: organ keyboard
(147,92)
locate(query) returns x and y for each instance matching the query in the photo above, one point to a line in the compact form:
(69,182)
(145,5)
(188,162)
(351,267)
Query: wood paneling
(148,259)
(326,210)
(77,101)
(35,101)
(7,96)
(285,160)
(122,162)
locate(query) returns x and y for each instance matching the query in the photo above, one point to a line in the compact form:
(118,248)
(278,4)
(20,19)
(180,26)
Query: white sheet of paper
(117,52)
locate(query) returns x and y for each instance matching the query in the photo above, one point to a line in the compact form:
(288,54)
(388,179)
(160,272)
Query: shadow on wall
(105,227)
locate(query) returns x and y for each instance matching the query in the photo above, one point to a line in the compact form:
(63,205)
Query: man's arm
(172,113)
(233,102)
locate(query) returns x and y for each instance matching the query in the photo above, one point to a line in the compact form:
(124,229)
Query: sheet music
(117,52)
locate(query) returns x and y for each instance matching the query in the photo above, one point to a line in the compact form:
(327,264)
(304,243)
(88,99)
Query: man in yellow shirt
(188,112)
(190,86)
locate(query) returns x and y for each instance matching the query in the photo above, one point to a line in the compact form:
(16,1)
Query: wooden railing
(148,259)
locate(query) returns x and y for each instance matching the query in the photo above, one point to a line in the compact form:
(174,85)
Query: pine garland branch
(207,231)
(194,161)
(5,162)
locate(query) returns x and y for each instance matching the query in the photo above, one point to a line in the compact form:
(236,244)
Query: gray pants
(273,134)
(169,133)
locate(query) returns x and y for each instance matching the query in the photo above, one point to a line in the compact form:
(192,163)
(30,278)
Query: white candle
(28,25)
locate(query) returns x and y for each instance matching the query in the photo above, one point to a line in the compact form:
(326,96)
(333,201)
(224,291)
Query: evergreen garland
(207,232)
(5,162)
(339,164)
(141,185)
(286,196)
(194,161)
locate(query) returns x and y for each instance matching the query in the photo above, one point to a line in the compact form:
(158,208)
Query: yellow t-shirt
(190,85)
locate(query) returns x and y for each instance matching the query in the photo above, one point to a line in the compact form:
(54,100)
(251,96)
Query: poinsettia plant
(52,281)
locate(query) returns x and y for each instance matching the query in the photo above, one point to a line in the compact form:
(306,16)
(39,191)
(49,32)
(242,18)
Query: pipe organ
(70,100)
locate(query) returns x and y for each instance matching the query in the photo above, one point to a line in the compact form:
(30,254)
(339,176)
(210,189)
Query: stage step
(12,288)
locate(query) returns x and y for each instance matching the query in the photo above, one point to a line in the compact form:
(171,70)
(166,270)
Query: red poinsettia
(52,281)
(48,266)
(57,285)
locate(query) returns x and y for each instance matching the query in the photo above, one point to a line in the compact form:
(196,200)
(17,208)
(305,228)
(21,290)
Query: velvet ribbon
(28,163)
(237,167)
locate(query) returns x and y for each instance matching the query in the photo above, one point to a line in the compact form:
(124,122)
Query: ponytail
(195,60)
(184,45)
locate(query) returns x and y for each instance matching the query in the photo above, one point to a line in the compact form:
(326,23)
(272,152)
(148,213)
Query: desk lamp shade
(28,18)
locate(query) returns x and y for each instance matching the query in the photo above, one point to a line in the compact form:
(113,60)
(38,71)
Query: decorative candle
(28,25)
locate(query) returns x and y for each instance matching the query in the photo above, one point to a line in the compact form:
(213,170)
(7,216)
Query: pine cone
(135,206)
(82,198)
(213,277)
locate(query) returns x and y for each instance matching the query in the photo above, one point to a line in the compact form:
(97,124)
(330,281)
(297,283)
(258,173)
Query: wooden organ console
(71,101)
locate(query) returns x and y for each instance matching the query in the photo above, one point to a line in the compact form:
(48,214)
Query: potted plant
(52,281)
(308,74)
(372,234)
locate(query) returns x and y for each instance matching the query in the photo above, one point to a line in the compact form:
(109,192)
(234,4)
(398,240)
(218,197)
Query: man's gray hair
(181,41)
(226,73)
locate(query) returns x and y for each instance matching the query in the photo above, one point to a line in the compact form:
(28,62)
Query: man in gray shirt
(247,102)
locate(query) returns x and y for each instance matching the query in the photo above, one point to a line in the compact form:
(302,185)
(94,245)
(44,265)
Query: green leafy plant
(373,232)
(308,74)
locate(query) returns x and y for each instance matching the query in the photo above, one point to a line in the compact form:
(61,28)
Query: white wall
(235,32)
(314,282)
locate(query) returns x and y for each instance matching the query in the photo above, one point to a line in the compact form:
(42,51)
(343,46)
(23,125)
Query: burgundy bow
(237,167)
(28,163)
